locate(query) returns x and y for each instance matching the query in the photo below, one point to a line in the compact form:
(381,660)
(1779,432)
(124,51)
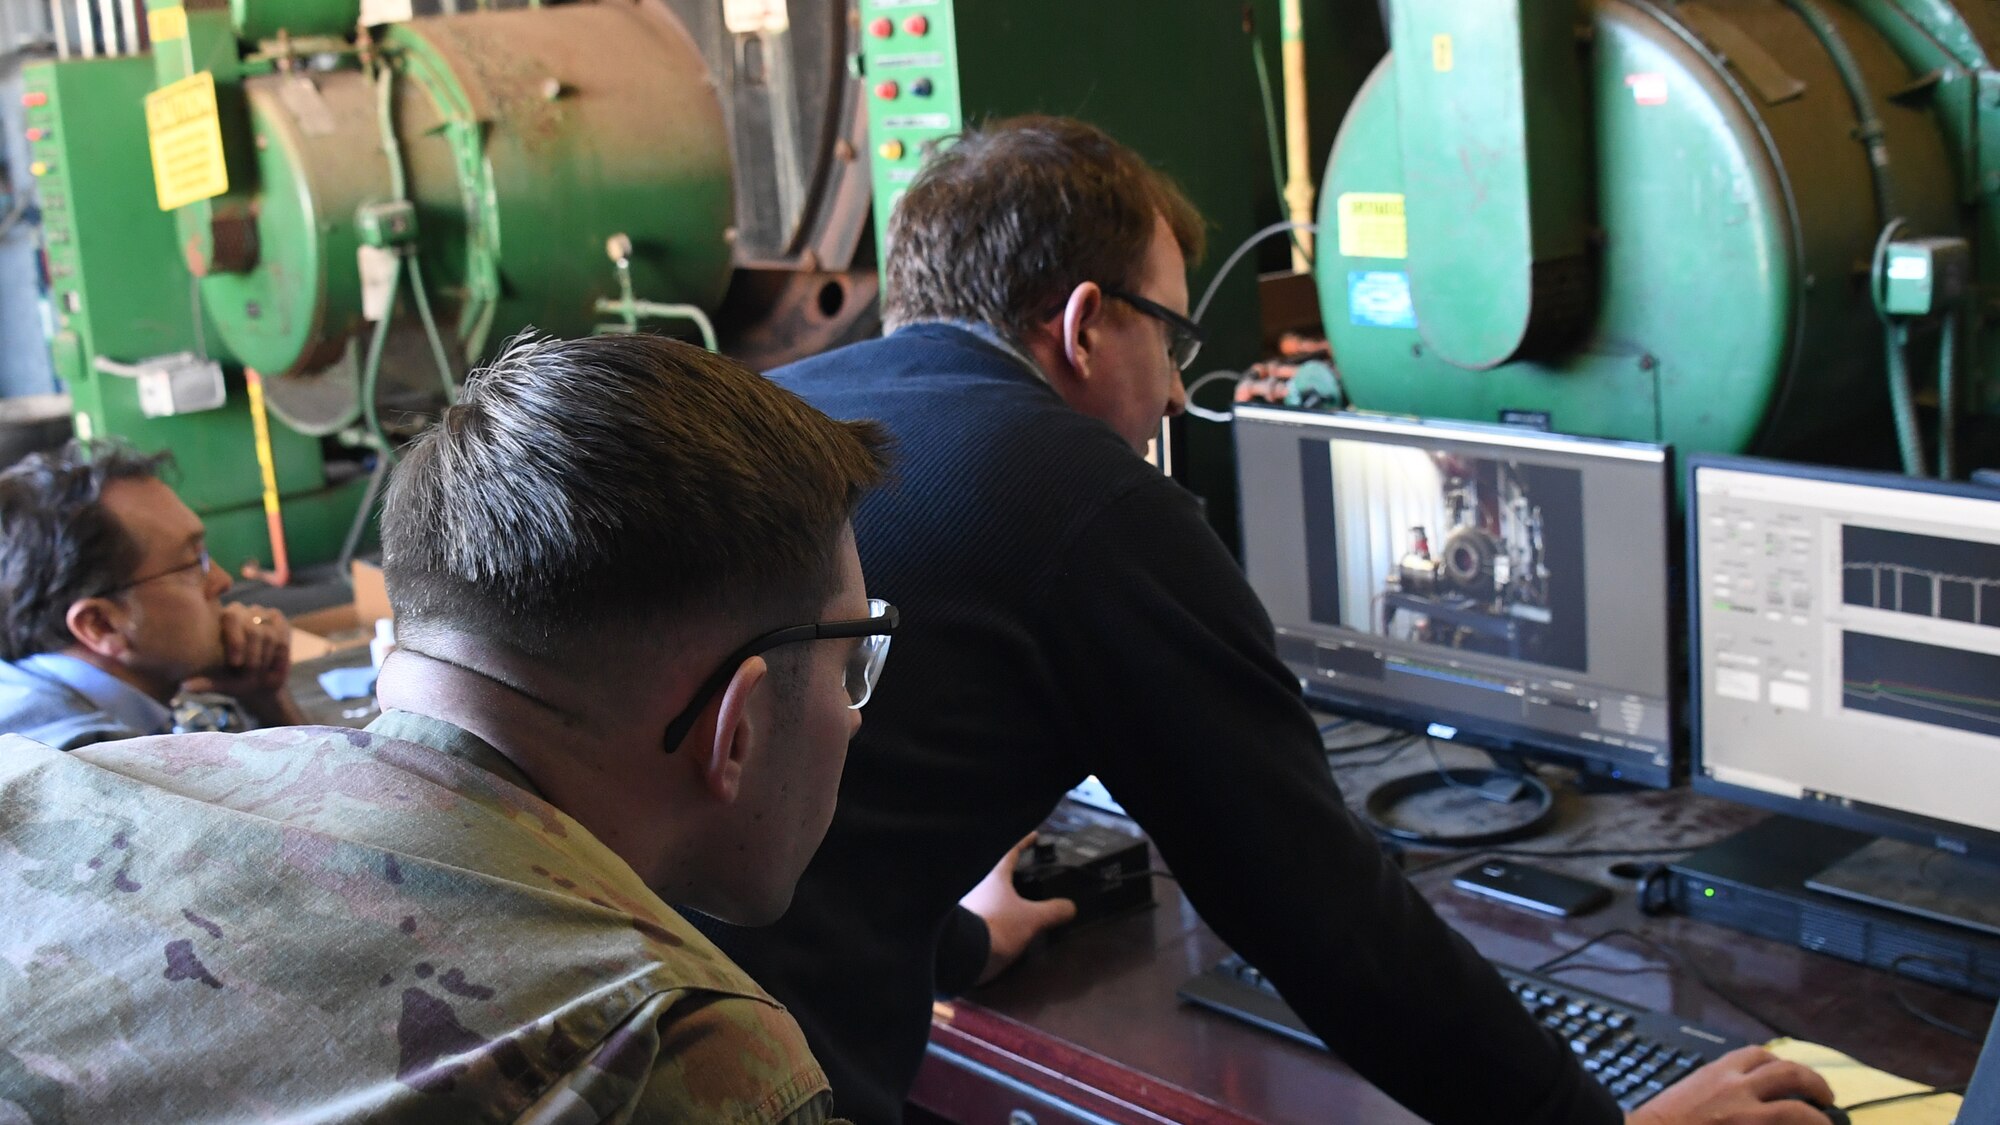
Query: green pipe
(631,311)
(1895,342)
(384,118)
(1868,130)
(1868,125)
(1948,396)
(371,368)
(431,331)
(1903,401)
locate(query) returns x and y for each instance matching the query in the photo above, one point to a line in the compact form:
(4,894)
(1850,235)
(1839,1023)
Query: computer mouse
(1834,1114)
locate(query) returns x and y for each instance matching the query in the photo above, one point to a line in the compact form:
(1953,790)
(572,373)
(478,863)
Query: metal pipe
(1948,395)
(133,22)
(1298,142)
(59,23)
(107,19)
(86,35)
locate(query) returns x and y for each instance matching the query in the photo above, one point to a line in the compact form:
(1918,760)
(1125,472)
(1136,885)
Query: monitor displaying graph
(1847,636)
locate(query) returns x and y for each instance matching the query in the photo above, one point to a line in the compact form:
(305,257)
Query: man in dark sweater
(1066,612)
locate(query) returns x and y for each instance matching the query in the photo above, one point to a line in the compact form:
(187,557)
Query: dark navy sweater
(1067,611)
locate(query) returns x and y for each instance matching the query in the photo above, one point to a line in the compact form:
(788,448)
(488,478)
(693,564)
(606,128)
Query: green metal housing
(122,293)
(1734,210)
(526,139)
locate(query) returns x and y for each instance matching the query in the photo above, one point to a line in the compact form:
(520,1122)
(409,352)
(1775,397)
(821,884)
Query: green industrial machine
(337,221)
(122,296)
(1760,225)
(479,163)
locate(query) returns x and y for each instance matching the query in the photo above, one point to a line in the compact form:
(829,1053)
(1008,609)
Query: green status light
(1708,892)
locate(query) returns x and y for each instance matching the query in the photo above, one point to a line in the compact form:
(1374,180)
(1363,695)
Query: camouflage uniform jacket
(323,924)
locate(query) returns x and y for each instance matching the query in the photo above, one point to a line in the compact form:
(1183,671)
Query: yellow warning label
(167,24)
(1440,53)
(186,136)
(1372,225)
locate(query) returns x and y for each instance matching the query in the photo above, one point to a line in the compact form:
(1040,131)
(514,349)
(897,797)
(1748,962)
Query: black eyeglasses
(864,667)
(1183,335)
(200,560)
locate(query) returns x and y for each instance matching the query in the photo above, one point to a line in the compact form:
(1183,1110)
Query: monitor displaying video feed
(1504,586)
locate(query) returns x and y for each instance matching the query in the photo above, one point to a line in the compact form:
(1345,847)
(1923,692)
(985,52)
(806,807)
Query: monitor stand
(1923,881)
(1761,880)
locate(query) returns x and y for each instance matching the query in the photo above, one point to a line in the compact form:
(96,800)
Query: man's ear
(96,625)
(1064,346)
(741,727)
(1082,319)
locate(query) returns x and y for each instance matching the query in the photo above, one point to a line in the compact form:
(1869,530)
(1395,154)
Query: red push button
(34,100)
(887,91)
(37,134)
(917,25)
(882,28)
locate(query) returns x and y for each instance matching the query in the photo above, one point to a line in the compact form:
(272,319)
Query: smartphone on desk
(1532,888)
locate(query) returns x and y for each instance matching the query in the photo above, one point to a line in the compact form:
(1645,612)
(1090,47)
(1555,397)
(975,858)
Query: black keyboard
(1633,1052)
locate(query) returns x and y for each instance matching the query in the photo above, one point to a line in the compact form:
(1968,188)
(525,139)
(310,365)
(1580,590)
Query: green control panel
(909,70)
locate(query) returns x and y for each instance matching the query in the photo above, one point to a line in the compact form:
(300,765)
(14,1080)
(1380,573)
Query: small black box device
(1533,888)
(1101,869)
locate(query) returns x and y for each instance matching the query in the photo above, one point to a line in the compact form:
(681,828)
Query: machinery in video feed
(1490,557)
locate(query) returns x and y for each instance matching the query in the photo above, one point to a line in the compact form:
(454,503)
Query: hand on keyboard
(1743,1087)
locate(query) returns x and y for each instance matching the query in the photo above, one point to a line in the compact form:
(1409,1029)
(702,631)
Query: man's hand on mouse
(1012,922)
(1750,1086)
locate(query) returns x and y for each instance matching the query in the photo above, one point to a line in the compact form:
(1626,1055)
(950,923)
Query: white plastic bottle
(384,641)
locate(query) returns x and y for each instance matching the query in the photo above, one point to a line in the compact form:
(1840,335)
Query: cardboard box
(339,627)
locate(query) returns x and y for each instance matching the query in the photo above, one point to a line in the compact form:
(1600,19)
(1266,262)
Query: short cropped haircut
(1001,224)
(58,544)
(618,481)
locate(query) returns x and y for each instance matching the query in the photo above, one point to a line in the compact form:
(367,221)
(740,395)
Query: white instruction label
(750,17)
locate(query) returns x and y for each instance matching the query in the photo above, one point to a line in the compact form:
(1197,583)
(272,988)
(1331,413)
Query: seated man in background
(1071,613)
(112,605)
(633,640)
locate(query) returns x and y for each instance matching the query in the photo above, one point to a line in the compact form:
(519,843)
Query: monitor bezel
(1857,816)
(1474,730)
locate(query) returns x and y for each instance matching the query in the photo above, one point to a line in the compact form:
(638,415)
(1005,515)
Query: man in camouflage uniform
(112,608)
(606,562)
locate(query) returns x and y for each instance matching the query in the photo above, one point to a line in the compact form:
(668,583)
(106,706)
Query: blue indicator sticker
(1380,299)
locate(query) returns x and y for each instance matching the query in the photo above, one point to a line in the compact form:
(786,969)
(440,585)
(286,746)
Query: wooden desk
(1089,1029)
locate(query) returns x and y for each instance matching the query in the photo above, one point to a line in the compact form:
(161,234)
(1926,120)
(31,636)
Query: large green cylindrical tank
(1732,220)
(529,137)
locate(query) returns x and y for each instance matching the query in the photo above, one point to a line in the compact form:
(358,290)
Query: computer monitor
(1846,647)
(1502,585)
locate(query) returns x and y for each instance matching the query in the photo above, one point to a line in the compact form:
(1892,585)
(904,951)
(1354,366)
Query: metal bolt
(1416,351)
(1648,362)
(843,151)
(552,88)
(253,310)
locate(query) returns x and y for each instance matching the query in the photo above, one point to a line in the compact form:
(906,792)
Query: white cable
(1236,255)
(1202,413)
